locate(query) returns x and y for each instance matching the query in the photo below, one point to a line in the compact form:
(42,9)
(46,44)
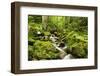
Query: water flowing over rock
(63,54)
(68,56)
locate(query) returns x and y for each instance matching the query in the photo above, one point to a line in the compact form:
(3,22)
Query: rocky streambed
(63,54)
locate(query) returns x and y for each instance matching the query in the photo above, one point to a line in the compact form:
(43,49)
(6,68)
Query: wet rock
(68,56)
(62,44)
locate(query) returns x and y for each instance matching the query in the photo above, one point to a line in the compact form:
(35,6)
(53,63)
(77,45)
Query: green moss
(79,52)
(44,50)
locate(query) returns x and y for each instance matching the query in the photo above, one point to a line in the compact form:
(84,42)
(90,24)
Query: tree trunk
(44,22)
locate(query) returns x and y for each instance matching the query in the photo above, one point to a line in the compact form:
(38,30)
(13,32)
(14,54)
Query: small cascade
(61,47)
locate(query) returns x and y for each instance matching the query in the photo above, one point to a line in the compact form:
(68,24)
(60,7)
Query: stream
(59,46)
(63,54)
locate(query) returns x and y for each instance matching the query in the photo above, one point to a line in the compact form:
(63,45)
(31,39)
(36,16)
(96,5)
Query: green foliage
(78,44)
(72,31)
(56,23)
(30,52)
(77,24)
(34,19)
(43,50)
(46,33)
(79,52)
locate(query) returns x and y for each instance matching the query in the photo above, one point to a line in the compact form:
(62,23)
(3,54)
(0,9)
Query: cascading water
(63,54)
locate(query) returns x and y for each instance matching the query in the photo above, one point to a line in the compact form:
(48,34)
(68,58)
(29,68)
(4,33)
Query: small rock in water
(68,56)
(38,32)
(61,45)
(53,38)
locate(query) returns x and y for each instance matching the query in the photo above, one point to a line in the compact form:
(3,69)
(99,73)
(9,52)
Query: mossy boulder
(78,52)
(43,50)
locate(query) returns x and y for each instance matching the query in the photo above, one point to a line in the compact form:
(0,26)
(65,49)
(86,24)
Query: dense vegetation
(47,33)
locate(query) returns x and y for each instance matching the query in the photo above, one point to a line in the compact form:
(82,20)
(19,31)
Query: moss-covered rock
(79,52)
(44,50)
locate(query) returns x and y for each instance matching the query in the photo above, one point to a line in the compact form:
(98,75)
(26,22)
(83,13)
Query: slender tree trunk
(44,22)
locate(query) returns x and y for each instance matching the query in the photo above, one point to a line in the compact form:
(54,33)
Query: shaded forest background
(54,37)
